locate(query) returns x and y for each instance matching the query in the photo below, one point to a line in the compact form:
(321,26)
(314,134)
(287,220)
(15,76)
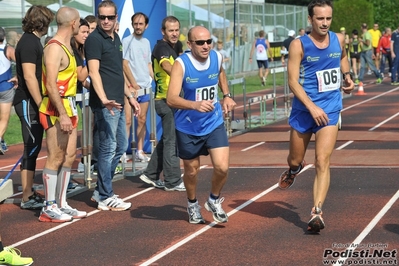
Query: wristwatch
(350,74)
(130,96)
(227,95)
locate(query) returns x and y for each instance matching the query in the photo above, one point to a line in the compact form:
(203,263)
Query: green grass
(13,133)
(252,82)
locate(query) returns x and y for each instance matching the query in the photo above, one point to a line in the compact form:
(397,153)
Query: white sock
(50,184)
(62,185)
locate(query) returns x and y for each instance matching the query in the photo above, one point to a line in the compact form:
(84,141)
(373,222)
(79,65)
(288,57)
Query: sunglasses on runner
(202,42)
(103,17)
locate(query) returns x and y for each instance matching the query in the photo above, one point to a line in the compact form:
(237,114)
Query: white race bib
(72,104)
(329,79)
(206,93)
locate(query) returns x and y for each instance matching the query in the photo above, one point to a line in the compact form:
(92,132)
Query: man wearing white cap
(286,45)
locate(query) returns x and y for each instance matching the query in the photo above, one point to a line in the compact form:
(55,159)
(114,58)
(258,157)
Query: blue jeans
(384,58)
(366,57)
(164,156)
(112,143)
(395,69)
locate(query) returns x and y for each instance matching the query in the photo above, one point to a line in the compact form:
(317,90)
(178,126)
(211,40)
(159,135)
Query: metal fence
(237,24)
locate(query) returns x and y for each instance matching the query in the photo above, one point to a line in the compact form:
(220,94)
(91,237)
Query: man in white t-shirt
(137,67)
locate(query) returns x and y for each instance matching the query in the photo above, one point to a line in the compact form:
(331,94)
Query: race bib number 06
(329,79)
(206,93)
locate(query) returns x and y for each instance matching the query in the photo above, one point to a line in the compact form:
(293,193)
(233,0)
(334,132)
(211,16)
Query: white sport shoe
(96,196)
(113,204)
(179,187)
(81,167)
(54,215)
(73,212)
(141,157)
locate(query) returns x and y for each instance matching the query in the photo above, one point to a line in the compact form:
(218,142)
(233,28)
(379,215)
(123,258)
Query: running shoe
(81,167)
(34,202)
(54,215)
(316,222)
(379,81)
(155,183)
(216,208)
(4,145)
(287,179)
(118,170)
(179,187)
(73,212)
(395,83)
(2,152)
(194,214)
(357,82)
(12,256)
(113,204)
(141,157)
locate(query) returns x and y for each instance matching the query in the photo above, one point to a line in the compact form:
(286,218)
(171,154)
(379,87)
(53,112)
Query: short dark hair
(106,3)
(146,19)
(355,32)
(169,19)
(91,18)
(318,3)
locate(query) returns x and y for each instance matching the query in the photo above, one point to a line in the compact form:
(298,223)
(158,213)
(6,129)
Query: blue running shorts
(143,98)
(190,146)
(303,122)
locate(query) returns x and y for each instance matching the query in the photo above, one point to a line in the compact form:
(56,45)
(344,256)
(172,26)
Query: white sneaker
(54,215)
(73,212)
(113,204)
(141,157)
(123,159)
(81,167)
(179,187)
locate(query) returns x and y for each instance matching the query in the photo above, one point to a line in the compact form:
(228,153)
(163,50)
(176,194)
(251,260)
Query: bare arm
(269,51)
(52,58)
(129,75)
(228,103)
(252,51)
(94,72)
(10,53)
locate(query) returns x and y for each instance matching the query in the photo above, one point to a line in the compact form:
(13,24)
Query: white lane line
(370,99)
(383,122)
(46,232)
(370,226)
(253,146)
(209,226)
(344,145)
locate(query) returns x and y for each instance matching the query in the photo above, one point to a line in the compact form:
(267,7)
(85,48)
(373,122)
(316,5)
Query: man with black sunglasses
(103,50)
(200,130)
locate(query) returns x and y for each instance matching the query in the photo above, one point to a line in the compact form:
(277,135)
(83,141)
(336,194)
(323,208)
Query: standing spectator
(384,51)
(225,55)
(286,45)
(59,117)
(301,32)
(343,32)
(199,119)
(77,44)
(262,47)
(7,55)
(92,22)
(103,50)
(27,99)
(139,74)
(375,38)
(355,47)
(183,37)
(366,56)
(12,38)
(164,158)
(317,102)
(395,58)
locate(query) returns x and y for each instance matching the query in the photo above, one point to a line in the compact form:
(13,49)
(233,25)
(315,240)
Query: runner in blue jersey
(318,62)
(193,91)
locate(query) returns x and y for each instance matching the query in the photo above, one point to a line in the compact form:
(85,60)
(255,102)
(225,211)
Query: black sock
(1,246)
(192,201)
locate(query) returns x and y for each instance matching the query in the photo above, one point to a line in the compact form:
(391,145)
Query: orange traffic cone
(360,91)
